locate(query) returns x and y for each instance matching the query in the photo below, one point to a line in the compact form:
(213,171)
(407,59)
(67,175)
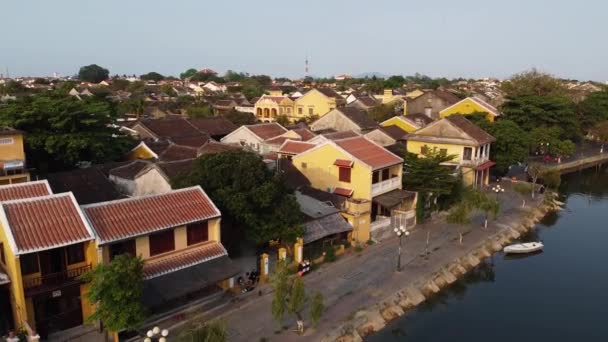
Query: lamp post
(498,189)
(401,231)
(156,334)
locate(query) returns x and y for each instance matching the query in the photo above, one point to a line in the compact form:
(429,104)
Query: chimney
(428,111)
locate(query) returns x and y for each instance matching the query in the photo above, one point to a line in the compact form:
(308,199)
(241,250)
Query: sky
(440,38)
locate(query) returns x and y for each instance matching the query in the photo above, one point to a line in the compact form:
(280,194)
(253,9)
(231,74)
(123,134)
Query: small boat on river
(522,248)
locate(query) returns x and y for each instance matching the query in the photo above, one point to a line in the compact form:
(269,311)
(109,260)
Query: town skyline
(472,39)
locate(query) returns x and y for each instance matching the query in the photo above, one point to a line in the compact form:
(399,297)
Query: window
(123,247)
(344,175)
(300,111)
(385,174)
(6,141)
(310,111)
(75,253)
(443,151)
(468,152)
(375,177)
(304,165)
(2,257)
(424,150)
(162,242)
(29,263)
(197,232)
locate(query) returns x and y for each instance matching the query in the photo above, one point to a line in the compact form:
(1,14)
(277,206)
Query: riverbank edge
(368,321)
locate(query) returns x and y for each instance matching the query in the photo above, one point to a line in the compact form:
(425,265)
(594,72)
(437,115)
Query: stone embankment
(368,321)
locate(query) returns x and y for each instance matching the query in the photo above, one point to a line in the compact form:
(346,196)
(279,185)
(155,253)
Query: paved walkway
(360,280)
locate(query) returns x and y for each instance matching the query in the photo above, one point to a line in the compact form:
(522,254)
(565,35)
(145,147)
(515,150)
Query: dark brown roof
(330,93)
(170,127)
(131,217)
(179,168)
(159,146)
(471,129)
(340,135)
(183,258)
(368,101)
(359,117)
(191,141)
(89,185)
(9,130)
(130,170)
(394,132)
(178,152)
(24,190)
(47,222)
(292,176)
(216,147)
(214,126)
(267,130)
(323,196)
(446,96)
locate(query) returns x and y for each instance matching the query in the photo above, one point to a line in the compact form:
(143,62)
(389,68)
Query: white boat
(526,247)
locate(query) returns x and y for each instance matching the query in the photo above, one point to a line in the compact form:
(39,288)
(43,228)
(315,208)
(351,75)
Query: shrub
(330,254)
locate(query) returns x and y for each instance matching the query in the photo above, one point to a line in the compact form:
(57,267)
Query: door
(58,310)
(52,265)
(6,312)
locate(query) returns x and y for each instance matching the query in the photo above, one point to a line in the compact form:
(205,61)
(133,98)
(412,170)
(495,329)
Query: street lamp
(498,189)
(153,335)
(401,231)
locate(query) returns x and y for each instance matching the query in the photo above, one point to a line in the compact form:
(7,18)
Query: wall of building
(13,270)
(151,182)
(13,151)
(395,121)
(457,150)
(315,100)
(466,107)
(140,152)
(244,137)
(336,121)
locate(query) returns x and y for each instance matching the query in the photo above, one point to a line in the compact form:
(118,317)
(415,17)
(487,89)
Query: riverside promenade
(357,282)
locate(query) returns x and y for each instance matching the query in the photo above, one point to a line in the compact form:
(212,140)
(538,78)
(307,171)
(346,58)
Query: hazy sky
(469,38)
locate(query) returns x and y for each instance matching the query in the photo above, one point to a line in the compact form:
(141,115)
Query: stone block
(391,312)
(414,295)
(448,276)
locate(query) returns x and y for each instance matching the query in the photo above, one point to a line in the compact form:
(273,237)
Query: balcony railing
(56,279)
(386,186)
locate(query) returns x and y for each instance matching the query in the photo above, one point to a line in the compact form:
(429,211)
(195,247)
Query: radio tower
(306,67)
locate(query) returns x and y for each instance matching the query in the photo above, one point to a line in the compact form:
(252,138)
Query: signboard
(56,294)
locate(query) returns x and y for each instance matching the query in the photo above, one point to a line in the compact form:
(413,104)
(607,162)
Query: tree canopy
(511,146)
(117,290)
(62,131)
(249,196)
(594,109)
(240,118)
(93,73)
(533,83)
(152,76)
(188,73)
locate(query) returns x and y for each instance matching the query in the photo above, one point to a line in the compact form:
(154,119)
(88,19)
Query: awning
(325,226)
(485,165)
(343,192)
(393,198)
(176,284)
(343,163)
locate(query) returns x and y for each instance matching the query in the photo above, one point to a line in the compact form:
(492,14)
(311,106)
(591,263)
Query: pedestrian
(12,337)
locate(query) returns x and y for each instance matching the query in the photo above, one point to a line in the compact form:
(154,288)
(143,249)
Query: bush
(370,242)
(330,254)
(358,249)
(552,179)
(347,245)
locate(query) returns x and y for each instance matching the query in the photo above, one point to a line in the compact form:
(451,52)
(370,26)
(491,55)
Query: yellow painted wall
(12,151)
(359,216)
(140,152)
(395,121)
(316,100)
(465,107)
(458,150)
(13,270)
(142,247)
(323,174)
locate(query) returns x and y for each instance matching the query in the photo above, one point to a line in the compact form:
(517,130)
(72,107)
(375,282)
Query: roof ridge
(39,198)
(134,198)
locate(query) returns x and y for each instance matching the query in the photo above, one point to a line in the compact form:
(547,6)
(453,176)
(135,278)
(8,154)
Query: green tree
(594,109)
(316,308)
(240,118)
(93,73)
(552,179)
(63,131)
(249,195)
(209,332)
(473,200)
(152,76)
(188,73)
(511,144)
(137,87)
(12,88)
(382,112)
(283,120)
(233,76)
(600,133)
(394,82)
(168,89)
(198,111)
(117,289)
(533,83)
(535,171)
(119,84)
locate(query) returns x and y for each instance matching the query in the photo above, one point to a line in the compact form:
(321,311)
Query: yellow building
(457,136)
(268,108)
(316,102)
(469,106)
(12,157)
(365,173)
(402,122)
(177,234)
(45,245)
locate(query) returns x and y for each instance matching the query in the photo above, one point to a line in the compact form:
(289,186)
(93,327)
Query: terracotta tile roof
(330,93)
(369,153)
(174,127)
(341,135)
(471,129)
(343,163)
(24,190)
(195,141)
(216,147)
(394,132)
(177,168)
(127,218)
(343,192)
(368,101)
(359,117)
(130,170)
(177,152)
(183,258)
(159,146)
(278,140)
(89,185)
(295,147)
(446,96)
(41,223)
(305,133)
(215,126)
(267,130)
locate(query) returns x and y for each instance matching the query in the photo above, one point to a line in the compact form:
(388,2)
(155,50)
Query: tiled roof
(343,163)
(46,222)
(368,101)
(174,127)
(178,152)
(24,190)
(305,133)
(122,219)
(278,141)
(183,258)
(369,153)
(267,130)
(446,96)
(130,170)
(295,147)
(276,99)
(359,117)
(343,192)
(340,135)
(214,126)
(471,129)
(89,185)
(420,118)
(177,168)
(195,141)
(329,93)
(216,147)
(9,130)
(394,132)
(491,109)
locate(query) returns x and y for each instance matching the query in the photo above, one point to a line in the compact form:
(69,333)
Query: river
(560,294)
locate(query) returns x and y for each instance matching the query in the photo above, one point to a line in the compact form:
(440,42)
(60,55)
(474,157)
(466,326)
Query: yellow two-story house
(316,102)
(455,135)
(177,234)
(268,107)
(46,243)
(469,106)
(12,157)
(365,173)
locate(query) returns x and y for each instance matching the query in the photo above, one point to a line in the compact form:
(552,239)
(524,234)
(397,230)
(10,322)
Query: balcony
(386,186)
(54,280)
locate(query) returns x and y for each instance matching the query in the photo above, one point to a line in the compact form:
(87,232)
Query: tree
(93,73)
(382,112)
(208,332)
(168,89)
(240,118)
(188,73)
(535,171)
(394,82)
(152,76)
(511,146)
(473,200)
(533,83)
(428,176)
(552,179)
(523,189)
(12,88)
(600,133)
(283,120)
(119,84)
(316,308)
(63,131)
(251,198)
(198,111)
(117,289)
(594,109)
(233,76)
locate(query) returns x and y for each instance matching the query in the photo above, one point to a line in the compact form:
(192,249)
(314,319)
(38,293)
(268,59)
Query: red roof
(278,140)
(343,163)
(24,190)
(369,153)
(343,192)
(41,223)
(131,217)
(305,133)
(183,258)
(485,165)
(295,147)
(267,130)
